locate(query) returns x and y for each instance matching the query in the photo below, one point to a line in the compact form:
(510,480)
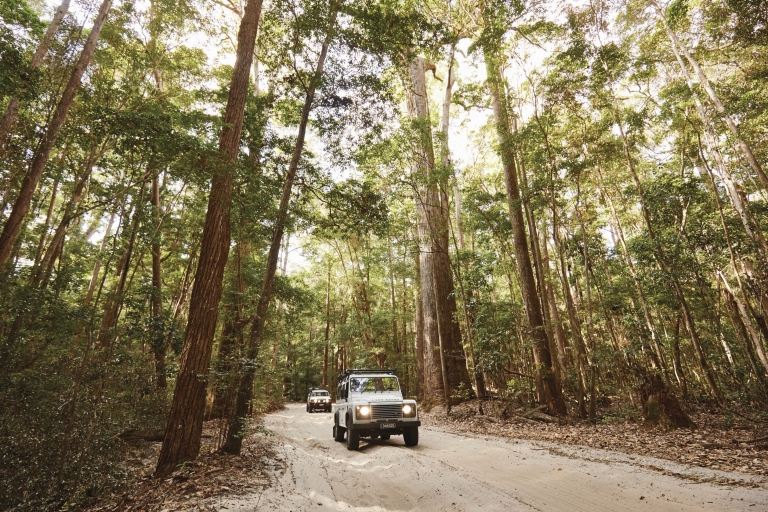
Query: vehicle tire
(411,436)
(338,431)
(353,438)
(385,437)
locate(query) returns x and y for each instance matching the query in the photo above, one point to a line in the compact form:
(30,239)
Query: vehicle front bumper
(373,427)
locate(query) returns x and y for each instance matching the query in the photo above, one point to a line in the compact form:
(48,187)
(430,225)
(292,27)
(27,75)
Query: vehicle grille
(386,411)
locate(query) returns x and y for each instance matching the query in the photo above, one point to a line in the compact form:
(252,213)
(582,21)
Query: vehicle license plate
(388,425)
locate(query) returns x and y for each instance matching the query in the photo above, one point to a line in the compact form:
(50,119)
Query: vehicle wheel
(411,436)
(385,437)
(353,438)
(338,432)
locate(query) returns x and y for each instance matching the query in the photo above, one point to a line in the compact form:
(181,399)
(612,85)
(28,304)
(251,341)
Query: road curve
(459,472)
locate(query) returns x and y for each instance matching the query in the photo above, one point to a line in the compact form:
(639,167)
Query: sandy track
(461,472)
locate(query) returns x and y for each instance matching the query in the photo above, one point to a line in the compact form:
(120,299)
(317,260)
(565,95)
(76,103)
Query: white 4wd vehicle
(369,403)
(318,399)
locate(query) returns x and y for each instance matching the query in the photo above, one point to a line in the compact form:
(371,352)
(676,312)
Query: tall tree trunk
(437,289)
(245,389)
(185,422)
(35,172)
(158,339)
(549,391)
(42,49)
(278,309)
(418,325)
(445,162)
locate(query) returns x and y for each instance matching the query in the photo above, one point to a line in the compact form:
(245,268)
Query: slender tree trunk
(185,422)
(560,337)
(231,343)
(418,321)
(47,226)
(97,265)
(158,341)
(35,172)
(114,300)
(678,365)
(707,86)
(279,307)
(42,49)
(327,327)
(43,272)
(547,386)
(245,389)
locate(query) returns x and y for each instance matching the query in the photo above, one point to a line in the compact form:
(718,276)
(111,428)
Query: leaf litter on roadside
(715,444)
(191,487)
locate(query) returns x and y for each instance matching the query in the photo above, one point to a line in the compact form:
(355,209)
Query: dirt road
(458,472)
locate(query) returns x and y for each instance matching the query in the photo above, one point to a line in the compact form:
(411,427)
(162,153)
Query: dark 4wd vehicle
(369,403)
(319,399)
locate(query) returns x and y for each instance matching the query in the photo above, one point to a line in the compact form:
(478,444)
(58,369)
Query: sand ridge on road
(465,472)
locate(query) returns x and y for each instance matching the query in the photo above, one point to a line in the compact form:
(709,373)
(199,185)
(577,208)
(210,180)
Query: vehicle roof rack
(366,372)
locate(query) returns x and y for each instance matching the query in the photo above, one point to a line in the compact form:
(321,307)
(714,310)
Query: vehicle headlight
(409,411)
(362,412)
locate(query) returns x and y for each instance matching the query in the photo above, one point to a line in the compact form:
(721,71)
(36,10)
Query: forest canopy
(210,206)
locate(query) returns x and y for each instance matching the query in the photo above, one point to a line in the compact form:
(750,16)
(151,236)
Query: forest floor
(211,474)
(721,442)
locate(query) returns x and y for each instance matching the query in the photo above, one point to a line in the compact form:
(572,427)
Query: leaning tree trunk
(42,49)
(237,424)
(185,423)
(35,172)
(707,86)
(549,391)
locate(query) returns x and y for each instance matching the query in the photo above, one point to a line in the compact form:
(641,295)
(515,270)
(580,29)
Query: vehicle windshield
(319,393)
(373,384)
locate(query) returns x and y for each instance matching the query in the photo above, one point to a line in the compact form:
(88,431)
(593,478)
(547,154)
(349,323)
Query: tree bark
(35,172)
(185,422)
